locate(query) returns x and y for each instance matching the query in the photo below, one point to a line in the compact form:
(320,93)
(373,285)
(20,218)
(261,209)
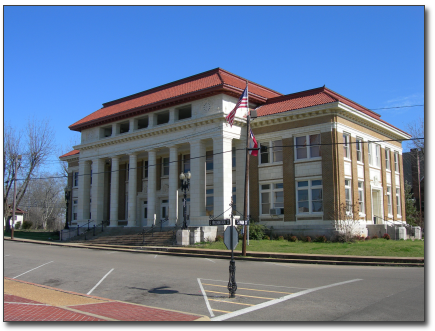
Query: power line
(235,149)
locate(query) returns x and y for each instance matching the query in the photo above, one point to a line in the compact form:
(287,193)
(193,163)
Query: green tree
(412,214)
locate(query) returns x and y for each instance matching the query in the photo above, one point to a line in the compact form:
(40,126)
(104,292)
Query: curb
(251,256)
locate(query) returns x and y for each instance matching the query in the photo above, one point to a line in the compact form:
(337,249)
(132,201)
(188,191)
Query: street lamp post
(185,181)
(17,159)
(67,197)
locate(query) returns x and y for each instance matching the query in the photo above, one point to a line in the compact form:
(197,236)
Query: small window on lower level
(142,123)
(163,117)
(184,112)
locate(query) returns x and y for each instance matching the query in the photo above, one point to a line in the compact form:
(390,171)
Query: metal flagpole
(245,209)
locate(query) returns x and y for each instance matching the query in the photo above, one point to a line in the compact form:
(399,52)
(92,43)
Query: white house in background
(318,150)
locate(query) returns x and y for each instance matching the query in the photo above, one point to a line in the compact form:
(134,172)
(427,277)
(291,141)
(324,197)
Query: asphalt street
(266,291)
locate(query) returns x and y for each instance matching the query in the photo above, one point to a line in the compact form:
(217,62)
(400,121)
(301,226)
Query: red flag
(253,144)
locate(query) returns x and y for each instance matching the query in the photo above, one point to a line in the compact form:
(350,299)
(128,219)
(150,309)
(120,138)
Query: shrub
(219,238)
(27,225)
(367,238)
(308,239)
(321,239)
(281,238)
(293,239)
(374,237)
(266,237)
(17,225)
(256,231)
(386,236)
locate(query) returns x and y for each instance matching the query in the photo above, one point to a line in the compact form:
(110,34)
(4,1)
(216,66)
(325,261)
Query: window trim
(398,204)
(163,166)
(362,201)
(346,145)
(387,159)
(310,187)
(270,152)
(396,162)
(75,179)
(349,188)
(389,202)
(359,143)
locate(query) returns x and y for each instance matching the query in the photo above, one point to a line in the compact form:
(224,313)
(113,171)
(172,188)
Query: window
(91,177)
(165,166)
(163,118)
(74,210)
(145,169)
(186,163)
(145,210)
(390,208)
(209,203)
(185,112)
(348,195)
(271,152)
(142,123)
(309,196)
(374,155)
(234,198)
(396,162)
(124,127)
(398,201)
(127,171)
(106,132)
(307,146)
(209,160)
(361,197)
(387,159)
(75,178)
(359,149)
(272,199)
(233,157)
(346,140)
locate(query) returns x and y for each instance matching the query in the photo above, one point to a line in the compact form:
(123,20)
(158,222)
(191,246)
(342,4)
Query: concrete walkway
(24,301)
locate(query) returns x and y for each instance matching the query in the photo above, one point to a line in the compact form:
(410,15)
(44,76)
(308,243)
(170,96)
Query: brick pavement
(24,301)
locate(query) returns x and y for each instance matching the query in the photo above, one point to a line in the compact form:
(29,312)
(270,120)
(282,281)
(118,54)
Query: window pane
(264,153)
(317,206)
(277,150)
(279,185)
(301,150)
(302,195)
(315,151)
(265,205)
(265,187)
(209,191)
(301,153)
(279,198)
(302,184)
(303,207)
(186,163)
(264,197)
(316,182)
(209,160)
(317,194)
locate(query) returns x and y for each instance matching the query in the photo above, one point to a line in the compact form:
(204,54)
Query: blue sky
(62,62)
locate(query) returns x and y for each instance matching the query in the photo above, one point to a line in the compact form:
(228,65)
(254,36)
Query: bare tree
(34,144)
(416,129)
(62,150)
(347,222)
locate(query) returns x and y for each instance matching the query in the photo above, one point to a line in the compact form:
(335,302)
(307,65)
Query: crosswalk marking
(242,295)
(251,289)
(236,303)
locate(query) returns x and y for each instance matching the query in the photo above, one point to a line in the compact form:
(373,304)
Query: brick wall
(329,176)
(254,198)
(288,172)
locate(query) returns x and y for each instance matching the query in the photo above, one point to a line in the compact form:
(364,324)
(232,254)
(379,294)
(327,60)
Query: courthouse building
(319,151)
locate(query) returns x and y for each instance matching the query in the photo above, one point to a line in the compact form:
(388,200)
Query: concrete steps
(137,239)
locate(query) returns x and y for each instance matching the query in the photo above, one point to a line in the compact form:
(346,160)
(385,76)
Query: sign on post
(220,222)
(227,237)
(242,222)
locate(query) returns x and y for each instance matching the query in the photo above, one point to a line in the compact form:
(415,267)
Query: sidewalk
(24,301)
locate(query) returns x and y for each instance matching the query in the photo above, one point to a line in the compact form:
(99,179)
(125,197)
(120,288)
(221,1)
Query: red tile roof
(213,81)
(309,98)
(73,152)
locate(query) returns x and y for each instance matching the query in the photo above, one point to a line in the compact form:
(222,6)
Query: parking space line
(251,289)
(205,298)
(32,269)
(99,282)
(225,281)
(275,301)
(222,311)
(210,260)
(242,295)
(236,303)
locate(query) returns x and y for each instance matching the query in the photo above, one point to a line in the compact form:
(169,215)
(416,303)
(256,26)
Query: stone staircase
(131,236)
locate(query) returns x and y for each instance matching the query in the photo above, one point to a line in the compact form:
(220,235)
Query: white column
(97,205)
(222,176)
(114,191)
(132,190)
(173,185)
(151,199)
(240,173)
(197,183)
(84,190)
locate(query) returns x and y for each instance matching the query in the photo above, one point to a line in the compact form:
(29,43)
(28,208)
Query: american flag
(242,103)
(253,144)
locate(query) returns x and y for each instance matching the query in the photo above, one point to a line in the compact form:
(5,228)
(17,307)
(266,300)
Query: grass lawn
(35,235)
(373,247)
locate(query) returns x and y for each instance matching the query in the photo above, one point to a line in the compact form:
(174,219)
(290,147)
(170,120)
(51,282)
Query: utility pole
(245,208)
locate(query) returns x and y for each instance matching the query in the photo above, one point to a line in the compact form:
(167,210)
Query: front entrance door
(145,214)
(164,211)
(377,207)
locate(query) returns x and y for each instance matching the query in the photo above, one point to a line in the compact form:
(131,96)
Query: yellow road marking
(243,295)
(237,303)
(251,289)
(222,311)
